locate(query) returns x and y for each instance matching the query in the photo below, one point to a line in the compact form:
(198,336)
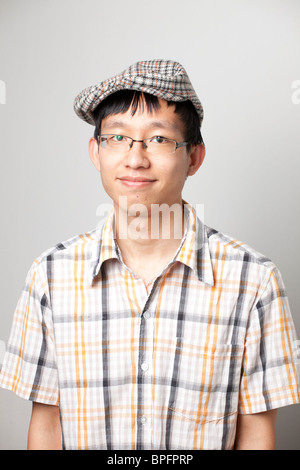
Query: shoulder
(78,246)
(240,257)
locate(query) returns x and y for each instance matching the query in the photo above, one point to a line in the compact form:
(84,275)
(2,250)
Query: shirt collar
(193,251)
(103,247)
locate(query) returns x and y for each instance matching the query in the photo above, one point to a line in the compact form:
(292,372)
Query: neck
(149,233)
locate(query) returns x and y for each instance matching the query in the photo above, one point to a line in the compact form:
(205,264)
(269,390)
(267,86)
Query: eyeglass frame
(177,144)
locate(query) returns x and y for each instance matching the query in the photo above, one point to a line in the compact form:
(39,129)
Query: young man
(153,331)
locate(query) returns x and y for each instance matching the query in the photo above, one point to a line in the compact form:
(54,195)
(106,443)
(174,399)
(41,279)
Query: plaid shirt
(168,370)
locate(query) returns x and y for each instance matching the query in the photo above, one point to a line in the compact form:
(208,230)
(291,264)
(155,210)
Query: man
(153,331)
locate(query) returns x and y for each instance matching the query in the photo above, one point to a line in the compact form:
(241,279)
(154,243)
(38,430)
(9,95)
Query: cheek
(106,174)
(176,174)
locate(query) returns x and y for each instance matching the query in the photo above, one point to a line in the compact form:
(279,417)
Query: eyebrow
(162,124)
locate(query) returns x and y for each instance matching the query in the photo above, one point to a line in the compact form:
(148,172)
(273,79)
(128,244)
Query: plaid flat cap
(163,78)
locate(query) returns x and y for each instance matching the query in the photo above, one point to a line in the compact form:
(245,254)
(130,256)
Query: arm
(256,431)
(44,430)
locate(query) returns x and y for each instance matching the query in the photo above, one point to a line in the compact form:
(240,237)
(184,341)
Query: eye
(117,138)
(158,139)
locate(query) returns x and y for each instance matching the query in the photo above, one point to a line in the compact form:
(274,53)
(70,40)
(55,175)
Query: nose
(136,157)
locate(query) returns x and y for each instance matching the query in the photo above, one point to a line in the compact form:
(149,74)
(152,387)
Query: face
(143,178)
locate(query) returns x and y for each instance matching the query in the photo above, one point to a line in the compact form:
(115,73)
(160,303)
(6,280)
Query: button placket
(146,373)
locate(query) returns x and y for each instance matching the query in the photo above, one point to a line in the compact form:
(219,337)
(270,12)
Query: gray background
(243,59)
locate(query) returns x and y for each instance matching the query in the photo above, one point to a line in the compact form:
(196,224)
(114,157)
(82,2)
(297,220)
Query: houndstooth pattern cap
(165,79)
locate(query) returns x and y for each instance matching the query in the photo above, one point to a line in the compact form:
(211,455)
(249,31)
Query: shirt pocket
(205,381)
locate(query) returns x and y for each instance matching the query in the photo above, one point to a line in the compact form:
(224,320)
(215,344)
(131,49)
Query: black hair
(121,101)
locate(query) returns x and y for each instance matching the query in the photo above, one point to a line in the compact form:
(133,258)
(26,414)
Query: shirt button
(147,315)
(144,366)
(143,420)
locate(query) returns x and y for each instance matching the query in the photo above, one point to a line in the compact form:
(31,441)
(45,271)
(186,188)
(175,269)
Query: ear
(196,156)
(94,154)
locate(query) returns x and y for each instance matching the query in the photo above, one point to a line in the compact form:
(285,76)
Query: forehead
(164,118)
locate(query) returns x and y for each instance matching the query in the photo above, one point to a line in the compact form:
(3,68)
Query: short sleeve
(29,366)
(270,371)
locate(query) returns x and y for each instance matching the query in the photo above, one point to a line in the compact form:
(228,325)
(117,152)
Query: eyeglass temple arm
(181,144)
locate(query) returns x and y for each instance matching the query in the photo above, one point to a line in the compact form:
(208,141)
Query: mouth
(136,181)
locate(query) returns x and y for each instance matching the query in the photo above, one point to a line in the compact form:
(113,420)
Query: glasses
(154,145)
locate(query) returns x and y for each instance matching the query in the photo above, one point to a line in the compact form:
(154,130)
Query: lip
(136,181)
